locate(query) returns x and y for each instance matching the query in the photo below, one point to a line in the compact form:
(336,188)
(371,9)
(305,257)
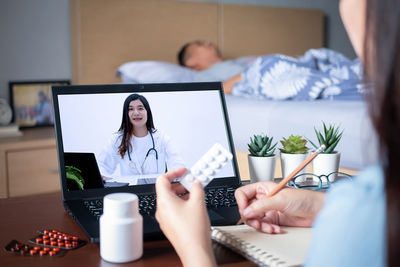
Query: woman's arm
(228,84)
(184,220)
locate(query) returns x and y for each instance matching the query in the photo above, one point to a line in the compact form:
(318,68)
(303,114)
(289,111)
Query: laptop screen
(127,135)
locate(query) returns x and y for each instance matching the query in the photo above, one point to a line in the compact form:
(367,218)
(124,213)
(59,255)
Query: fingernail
(248,212)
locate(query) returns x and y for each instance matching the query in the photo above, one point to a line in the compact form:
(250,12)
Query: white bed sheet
(282,118)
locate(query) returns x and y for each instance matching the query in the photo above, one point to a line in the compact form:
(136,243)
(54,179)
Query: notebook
(287,249)
(187,118)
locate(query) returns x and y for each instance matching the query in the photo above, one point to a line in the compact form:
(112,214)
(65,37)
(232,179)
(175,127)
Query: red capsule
(46,249)
(56,249)
(39,240)
(33,252)
(68,245)
(46,242)
(52,253)
(42,252)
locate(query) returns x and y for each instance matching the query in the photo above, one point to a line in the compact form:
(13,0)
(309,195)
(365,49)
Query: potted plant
(328,161)
(261,158)
(293,152)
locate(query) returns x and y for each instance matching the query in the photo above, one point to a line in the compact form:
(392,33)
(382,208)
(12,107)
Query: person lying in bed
(318,74)
(204,56)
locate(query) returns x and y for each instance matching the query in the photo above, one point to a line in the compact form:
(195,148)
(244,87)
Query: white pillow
(154,72)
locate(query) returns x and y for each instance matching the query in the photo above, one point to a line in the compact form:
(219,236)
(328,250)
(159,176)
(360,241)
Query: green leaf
(73,177)
(331,148)
(316,147)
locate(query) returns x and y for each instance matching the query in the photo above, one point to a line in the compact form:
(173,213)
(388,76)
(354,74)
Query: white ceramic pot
(290,162)
(325,164)
(261,168)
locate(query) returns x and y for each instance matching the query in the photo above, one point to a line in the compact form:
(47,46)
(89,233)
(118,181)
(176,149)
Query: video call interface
(186,125)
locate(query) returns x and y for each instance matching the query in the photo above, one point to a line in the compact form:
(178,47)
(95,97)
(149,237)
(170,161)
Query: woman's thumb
(197,191)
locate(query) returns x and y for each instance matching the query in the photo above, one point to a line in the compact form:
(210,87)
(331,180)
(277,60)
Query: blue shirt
(350,229)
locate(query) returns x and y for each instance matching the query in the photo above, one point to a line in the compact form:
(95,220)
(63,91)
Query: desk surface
(21,217)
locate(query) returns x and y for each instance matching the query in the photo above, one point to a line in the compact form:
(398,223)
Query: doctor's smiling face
(137,114)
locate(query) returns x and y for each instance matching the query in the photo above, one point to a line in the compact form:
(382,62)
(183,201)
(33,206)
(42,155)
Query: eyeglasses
(317,182)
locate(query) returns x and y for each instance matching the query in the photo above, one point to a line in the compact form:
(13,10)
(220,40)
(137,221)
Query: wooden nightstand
(28,163)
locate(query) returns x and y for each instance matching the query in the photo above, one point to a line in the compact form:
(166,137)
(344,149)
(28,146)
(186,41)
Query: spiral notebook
(287,249)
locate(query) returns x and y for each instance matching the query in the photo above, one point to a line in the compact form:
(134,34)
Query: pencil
(283,183)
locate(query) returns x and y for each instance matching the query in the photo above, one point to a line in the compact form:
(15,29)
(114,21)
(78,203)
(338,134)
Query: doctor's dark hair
(127,127)
(382,71)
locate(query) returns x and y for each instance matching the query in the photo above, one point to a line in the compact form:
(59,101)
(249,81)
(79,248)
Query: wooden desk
(21,217)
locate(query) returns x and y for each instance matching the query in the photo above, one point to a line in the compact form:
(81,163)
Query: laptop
(88,118)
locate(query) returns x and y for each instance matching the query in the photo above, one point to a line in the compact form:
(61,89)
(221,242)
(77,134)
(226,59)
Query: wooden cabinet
(29,164)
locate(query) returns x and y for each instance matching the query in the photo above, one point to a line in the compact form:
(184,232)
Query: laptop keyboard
(214,197)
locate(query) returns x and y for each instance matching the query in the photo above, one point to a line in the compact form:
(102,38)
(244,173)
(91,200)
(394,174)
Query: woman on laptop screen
(137,153)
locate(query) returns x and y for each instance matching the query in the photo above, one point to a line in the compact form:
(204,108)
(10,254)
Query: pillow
(154,72)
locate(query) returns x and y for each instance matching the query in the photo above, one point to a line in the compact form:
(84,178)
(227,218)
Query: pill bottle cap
(121,205)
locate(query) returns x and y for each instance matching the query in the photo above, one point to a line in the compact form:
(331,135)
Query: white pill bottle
(121,228)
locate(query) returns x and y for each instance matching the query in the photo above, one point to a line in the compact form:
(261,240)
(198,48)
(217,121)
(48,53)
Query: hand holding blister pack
(207,167)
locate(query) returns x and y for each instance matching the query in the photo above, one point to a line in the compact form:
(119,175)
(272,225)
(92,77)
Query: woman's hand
(184,220)
(289,207)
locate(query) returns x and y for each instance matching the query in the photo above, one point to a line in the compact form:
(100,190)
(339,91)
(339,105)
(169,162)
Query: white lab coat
(111,164)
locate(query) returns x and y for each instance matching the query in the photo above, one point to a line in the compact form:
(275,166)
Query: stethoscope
(132,165)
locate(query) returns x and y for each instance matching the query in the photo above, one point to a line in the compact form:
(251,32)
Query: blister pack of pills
(22,249)
(207,167)
(54,238)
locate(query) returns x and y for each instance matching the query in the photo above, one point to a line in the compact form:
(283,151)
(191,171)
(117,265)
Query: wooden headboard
(108,33)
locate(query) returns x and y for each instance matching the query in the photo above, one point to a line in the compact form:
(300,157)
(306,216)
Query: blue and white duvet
(318,74)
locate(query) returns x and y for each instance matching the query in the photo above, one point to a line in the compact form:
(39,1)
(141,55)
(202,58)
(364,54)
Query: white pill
(221,158)
(216,152)
(210,159)
(189,178)
(203,165)
(215,165)
(196,171)
(209,172)
(202,178)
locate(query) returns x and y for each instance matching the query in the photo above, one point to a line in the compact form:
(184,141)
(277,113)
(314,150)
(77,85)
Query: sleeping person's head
(199,55)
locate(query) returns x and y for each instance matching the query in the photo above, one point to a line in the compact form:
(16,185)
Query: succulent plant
(295,144)
(330,138)
(74,174)
(260,146)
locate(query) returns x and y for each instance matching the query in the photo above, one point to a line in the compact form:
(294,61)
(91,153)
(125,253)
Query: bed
(105,34)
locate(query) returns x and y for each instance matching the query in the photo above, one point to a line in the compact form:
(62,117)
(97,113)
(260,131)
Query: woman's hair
(382,72)
(127,127)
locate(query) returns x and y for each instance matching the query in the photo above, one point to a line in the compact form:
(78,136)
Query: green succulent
(74,174)
(330,138)
(295,144)
(260,146)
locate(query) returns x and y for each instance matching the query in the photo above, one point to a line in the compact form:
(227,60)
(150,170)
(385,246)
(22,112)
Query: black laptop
(87,117)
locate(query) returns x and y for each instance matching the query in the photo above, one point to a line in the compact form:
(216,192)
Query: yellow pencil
(283,183)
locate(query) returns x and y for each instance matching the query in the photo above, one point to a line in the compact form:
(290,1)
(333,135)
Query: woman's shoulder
(366,185)
(351,223)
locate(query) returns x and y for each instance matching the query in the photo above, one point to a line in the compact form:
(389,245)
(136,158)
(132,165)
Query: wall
(35,42)
(336,37)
